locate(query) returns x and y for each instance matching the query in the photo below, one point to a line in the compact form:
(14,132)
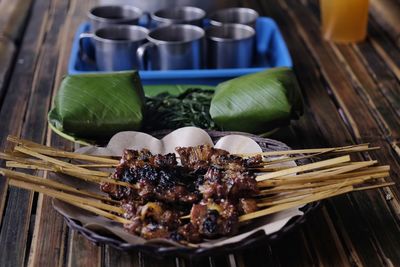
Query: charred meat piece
(152,220)
(213,220)
(157,177)
(187,232)
(118,192)
(154,230)
(230,184)
(136,159)
(214,185)
(247,205)
(199,158)
(252,161)
(167,185)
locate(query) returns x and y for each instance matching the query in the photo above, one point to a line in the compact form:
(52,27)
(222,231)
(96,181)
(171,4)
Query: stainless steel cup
(116,46)
(178,46)
(103,16)
(230,46)
(179,15)
(240,15)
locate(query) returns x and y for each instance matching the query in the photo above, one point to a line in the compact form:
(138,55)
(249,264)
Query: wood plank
(13,17)
(294,137)
(381,59)
(330,67)
(388,51)
(297,244)
(48,250)
(255,255)
(81,252)
(321,246)
(7,54)
(76,15)
(147,260)
(388,83)
(387,13)
(369,90)
(49,238)
(219,260)
(117,258)
(304,255)
(13,114)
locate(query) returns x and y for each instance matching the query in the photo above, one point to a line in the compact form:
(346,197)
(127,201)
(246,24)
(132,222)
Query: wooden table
(351,92)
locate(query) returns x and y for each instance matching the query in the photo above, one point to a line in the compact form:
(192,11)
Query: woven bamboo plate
(168,248)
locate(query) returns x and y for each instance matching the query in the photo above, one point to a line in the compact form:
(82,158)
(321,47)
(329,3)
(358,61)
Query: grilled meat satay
(229,184)
(213,185)
(199,158)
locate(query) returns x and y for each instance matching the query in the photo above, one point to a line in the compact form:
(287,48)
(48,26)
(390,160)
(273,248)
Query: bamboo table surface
(351,92)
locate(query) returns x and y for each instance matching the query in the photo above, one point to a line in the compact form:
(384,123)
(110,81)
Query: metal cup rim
(220,39)
(215,22)
(102,19)
(156,17)
(158,41)
(105,40)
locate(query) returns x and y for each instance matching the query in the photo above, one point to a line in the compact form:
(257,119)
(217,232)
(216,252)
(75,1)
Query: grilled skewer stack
(280,188)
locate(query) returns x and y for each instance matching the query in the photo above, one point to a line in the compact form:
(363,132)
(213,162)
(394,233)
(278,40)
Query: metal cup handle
(142,55)
(147,17)
(82,50)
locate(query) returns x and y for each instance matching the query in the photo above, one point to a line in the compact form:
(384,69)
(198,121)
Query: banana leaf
(96,106)
(257,103)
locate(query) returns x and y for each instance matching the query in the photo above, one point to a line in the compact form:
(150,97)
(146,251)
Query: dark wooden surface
(352,95)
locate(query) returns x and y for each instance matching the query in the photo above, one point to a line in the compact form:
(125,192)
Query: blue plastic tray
(271,52)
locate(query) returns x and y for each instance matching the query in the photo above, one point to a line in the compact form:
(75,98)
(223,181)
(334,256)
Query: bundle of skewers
(202,192)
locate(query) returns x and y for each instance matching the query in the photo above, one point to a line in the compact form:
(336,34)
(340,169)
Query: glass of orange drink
(344,21)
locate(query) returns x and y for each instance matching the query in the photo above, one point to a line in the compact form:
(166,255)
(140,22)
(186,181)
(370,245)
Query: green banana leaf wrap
(257,103)
(96,106)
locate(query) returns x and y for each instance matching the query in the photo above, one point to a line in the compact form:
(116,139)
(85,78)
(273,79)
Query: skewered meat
(156,176)
(247,205)
(213,185)
(213,220)
(230,184)
(152,220)
(199,158)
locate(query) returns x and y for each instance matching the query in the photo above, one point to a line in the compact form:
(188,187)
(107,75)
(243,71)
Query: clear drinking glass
(344,21)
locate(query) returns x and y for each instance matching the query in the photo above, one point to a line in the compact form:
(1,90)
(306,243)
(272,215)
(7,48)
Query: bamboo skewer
(374,186)
(306,181)
(77,156)
(294,195)
(51,151)
(313,198)
(306,200)
(308,167)
(314,176)
(41,165)
(100,212)
(344,149)
(76,204)
(37,167)
(24,142)
(314,181)
(100,165)
(315,184)
(73,173)
(65,196)
(52,184)
(106,159)
(286,159)
(56,161)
